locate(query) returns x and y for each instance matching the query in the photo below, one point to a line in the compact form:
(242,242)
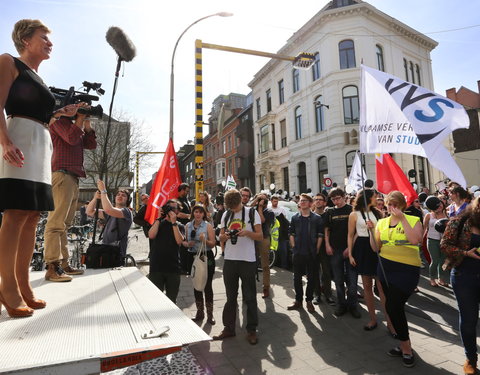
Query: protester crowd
(336,237)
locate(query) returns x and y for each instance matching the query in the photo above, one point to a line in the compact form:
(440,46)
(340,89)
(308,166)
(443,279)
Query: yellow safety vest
(395,245)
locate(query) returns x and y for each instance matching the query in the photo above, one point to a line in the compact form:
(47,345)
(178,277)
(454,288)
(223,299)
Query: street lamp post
(172,77)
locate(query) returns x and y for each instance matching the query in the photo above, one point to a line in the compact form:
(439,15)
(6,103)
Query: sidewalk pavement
(299,342)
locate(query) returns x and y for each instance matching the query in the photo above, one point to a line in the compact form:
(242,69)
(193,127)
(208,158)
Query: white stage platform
(88,321)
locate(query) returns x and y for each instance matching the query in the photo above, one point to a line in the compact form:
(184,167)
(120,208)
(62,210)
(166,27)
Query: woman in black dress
(25,167)
(361,222)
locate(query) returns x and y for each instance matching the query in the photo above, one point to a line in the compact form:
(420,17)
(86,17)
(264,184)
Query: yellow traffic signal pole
(137,178)
(301,61)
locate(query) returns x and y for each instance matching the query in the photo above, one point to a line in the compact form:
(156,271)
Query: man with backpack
(240,230)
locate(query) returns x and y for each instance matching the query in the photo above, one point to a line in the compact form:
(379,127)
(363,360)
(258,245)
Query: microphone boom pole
(125,50)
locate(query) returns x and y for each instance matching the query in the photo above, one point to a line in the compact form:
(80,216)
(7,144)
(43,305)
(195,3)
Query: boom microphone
(122,45)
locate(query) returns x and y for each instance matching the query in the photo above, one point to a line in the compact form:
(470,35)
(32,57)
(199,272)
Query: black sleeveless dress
(28,187)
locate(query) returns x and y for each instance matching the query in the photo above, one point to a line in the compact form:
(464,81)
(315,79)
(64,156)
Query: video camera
(65,97)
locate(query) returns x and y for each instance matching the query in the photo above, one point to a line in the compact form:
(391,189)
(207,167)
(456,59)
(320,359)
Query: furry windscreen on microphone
(122,45)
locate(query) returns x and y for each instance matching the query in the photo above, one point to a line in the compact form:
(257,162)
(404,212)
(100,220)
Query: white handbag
(199,271)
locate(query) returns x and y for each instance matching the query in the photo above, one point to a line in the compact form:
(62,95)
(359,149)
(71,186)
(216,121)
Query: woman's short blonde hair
(397,199)
(24,29)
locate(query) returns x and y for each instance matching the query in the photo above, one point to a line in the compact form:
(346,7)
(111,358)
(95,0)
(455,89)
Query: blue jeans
(343,273)
(466,286)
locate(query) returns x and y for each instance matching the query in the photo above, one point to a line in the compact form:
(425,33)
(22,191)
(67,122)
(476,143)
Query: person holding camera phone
(25,166)
(69,137)
(197,232)
(167,235)
(239,231)
(118,218)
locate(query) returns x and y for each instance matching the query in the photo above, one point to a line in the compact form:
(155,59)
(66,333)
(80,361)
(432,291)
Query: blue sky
(80,51)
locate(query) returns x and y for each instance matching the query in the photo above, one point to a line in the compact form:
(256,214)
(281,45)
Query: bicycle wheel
(37,261)
(271,258)
(129,261)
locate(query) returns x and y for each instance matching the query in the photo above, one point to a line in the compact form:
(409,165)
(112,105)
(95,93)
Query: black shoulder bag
(102,255)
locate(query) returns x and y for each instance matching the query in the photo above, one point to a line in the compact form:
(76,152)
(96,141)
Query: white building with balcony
(306,121)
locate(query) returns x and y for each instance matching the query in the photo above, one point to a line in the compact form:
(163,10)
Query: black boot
(200,315)
(210,318)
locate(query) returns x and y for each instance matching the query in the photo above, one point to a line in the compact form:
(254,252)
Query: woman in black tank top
(25,167)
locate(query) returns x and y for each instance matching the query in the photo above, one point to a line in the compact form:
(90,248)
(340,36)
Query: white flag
(355,178)
(398,116)
(230,184)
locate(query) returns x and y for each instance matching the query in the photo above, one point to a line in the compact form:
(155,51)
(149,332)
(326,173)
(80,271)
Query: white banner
(355,178)
(398,116)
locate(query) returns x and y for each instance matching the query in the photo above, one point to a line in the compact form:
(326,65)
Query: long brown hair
(359,203)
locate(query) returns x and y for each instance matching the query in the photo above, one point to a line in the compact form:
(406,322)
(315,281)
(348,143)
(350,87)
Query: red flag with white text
(390,177)
(166,184)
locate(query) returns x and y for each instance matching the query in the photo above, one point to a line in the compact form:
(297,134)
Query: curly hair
(359,203)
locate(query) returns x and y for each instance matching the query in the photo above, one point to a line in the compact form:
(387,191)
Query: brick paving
(293,342)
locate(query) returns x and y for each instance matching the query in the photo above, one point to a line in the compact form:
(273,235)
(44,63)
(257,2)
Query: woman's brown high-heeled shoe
(20,312)
(35,303)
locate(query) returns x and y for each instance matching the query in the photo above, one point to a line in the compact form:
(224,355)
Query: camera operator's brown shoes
(56,273)
(69,270)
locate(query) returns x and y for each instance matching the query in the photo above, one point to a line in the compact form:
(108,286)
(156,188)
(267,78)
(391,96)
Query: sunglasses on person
(193,234)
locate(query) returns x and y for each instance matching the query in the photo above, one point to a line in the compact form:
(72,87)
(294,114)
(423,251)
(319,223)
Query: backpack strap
(251,217)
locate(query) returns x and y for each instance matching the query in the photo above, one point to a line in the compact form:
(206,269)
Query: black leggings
(395,300)
(211,270)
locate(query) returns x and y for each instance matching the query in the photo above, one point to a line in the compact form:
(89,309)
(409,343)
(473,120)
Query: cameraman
(69,137)
(267,217)
(240,263)
(167,235)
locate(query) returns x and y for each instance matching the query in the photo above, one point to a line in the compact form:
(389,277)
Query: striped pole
(198,120)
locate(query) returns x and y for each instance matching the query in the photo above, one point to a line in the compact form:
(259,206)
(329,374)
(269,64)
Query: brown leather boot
(200,315)
(69,270)
(56,273)
(210,318)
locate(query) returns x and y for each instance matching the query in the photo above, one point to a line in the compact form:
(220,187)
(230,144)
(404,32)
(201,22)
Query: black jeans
(304,264)
(210,271)
(324,274)
(233,271)
(395,300)
(167,282)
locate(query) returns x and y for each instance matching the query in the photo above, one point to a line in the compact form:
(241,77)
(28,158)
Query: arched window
(322,166)
(316,67)
(302,178)
(349,158)
(298,122)
(296,80)
(380,63)
(346,51)
(319,122)
(350,105)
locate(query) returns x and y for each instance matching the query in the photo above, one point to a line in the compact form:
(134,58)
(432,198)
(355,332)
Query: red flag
(390,177)
(166,184)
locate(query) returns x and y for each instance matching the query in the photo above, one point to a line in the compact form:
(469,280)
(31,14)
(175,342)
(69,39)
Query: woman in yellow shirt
(397,238)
